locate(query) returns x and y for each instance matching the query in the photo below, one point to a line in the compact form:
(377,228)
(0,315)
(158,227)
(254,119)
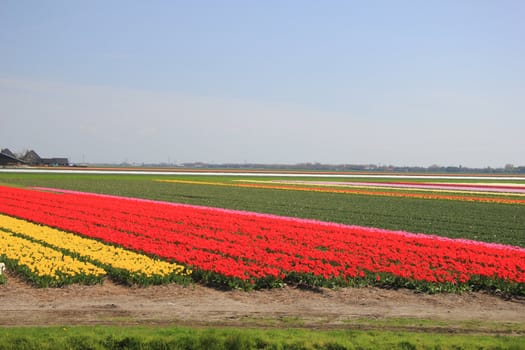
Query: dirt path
(21,304)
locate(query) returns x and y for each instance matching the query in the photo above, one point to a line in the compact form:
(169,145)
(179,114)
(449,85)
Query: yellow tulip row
(121,262)
(45,266)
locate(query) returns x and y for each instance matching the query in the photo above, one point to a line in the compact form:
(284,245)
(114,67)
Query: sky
(407,83)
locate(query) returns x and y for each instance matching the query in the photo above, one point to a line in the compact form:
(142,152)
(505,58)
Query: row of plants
(488,222)
(433,196)
(472,187)
(44,266)
(247,250)
(32,250)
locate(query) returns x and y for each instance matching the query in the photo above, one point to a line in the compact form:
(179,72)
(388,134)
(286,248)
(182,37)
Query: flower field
(120,264)
(247,250)
(370,189)
(454,187)
(45,266)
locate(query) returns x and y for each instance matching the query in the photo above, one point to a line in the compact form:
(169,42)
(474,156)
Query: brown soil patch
(23,305)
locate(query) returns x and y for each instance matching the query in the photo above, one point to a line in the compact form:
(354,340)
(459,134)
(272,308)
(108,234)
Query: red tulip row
(255,249)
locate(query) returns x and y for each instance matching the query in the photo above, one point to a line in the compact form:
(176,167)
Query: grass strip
(144,338)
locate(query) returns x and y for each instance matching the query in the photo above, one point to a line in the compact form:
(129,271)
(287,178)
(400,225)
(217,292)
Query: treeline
(508,169)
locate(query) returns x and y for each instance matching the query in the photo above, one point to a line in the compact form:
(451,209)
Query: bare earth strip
(23,305)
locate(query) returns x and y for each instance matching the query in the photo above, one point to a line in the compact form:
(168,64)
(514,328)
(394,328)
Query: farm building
(8,158)
(7,152)
(30,158)
(55,161)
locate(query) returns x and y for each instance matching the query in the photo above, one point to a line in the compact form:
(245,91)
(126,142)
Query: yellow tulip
(96,251)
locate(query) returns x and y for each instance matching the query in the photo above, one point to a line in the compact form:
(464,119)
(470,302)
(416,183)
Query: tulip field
(54,236)
(57,257)
(368,188)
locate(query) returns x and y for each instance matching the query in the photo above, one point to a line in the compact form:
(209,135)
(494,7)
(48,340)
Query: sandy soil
(109,303)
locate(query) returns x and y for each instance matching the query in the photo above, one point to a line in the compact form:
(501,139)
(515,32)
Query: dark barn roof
(32,158)
(6,151)
(55,161)
(6,159)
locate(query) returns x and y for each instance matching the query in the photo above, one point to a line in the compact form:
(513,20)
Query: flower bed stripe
(43,266)
(394,194)
(473,188)
(276,217)
(359,192)
(495,191)
(122,265)
(242,248)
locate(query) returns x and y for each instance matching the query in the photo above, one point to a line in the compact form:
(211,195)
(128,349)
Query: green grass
(438,326)
(229,338)
(489,222)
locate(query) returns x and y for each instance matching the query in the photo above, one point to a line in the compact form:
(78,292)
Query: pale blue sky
(390,82)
